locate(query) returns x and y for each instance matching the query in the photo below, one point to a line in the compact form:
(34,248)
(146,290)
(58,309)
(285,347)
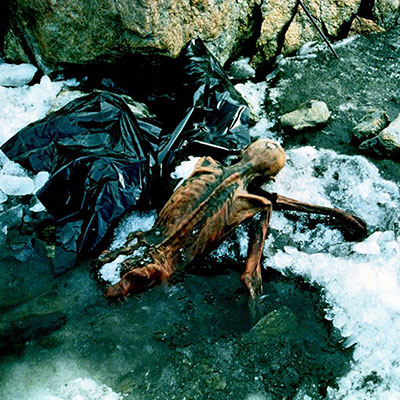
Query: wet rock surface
(386,143)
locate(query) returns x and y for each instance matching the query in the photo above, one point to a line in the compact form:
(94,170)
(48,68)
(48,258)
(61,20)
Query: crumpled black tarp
(103,162)
(215,114)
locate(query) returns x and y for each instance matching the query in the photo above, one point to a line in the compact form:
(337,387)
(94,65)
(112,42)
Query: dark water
(189,339)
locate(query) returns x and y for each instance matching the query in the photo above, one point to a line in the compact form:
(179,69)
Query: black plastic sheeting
(104,162)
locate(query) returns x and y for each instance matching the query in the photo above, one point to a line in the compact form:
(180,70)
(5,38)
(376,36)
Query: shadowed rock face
(51,34)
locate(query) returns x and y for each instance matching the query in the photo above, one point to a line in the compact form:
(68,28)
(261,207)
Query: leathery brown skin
(212,202)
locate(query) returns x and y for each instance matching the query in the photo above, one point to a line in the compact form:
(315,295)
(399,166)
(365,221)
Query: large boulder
(286,27)
(51,33)
(276,17)
(84,32)
(364,26)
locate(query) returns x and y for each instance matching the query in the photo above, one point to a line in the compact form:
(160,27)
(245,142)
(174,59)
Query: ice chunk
(9,167)
(23,105)
(38,207)
(40,179)
(16,185)
(110,272)
(133,222)
(262,129)
(184,170)
(16,75)
(367,248)
(297,179)
(3,197)
(254,94)
(14,180)
(303,157)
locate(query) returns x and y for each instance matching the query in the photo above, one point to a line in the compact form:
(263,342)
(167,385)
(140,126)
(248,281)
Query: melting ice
(361,281)
(20,105)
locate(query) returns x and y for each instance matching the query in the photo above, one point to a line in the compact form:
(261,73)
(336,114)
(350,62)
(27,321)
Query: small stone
(277,322)
(241,69)
(371,124)
(309,115)
(387,143)
(390,136)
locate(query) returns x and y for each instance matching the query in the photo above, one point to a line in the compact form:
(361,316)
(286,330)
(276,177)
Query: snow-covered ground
(361,281)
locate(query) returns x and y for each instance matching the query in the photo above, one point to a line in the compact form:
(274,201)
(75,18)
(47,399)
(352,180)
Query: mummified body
(212,202)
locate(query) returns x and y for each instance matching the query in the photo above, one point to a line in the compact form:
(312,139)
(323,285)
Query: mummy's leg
(251,277)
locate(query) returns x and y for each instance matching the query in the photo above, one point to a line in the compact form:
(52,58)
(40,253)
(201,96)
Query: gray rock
(330,15)
(241,69)
(387,143)
(309,115)
(371,124)
(276,323)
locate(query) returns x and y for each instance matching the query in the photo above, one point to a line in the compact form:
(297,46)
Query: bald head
(266,157)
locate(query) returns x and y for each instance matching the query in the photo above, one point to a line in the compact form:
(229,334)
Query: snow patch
(16,185)
(16,75)
(133,222)
(22,105)
(254,94)
(184,170)
(111,272)
(361,281)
